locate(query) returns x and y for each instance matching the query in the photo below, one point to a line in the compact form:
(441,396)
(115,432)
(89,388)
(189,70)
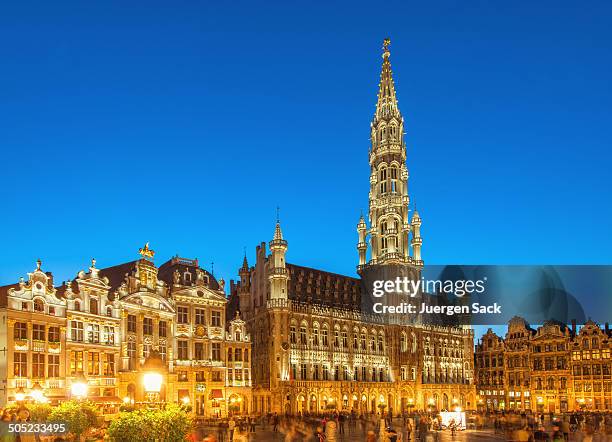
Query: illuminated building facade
(314,347)
(552,369)
(106,322)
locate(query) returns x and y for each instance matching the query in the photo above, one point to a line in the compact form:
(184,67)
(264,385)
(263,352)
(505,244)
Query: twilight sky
(186,123)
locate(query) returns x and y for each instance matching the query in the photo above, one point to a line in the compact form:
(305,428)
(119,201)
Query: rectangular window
(303,370)
(199,351)
(93,364)
(182,350)
(109,335)
(131,351)
(200,316)
(53,366)
(344,339)
(303,335)
(216,319)
(76,362)
(292,338)
(54,334)
(324,340)
(38,332)
(147,326)
(131,323)
(38,366)
(163,329)
(162,351)
(93,333)
(109,364)
(182,315)
(216,351)
(325,373)
(20,331)
(20,364)
(76,331)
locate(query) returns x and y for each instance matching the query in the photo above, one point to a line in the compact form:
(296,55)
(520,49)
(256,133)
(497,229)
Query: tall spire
(386,106)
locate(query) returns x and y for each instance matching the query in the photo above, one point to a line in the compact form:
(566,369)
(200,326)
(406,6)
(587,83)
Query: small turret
(416,238)
(362,245)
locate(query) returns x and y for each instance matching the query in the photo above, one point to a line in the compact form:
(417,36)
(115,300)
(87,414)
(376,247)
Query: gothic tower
(391,231)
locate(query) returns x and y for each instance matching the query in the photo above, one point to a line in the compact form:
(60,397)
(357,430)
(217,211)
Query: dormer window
(109,311)
(77,305)
(187,277)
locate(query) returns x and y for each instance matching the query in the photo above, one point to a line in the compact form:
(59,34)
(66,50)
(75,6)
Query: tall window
(131,351)
(238,355)
(216,351)
(292,338)
(131,323)
(162,351)
(20,364)
(344,339)
(216,318)
(53,366)
(109,364)
(76,362)
(54,334)
(199,351)
(303,372)
(147,326)
(182,350)
(21,330)
(163,329)
(38,332)
(93,306)
(38,365)
(93,333)
(93,364)
(315,336)
(109,335)
(76,331)
(324,340)
(200,316)
(303,335)
(182,315)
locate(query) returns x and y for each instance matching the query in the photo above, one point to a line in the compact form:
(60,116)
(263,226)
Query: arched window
(93,306)
(382,179)
(403,342)
(39,306)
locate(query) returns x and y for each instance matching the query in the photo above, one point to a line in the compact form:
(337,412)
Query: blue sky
(186,123)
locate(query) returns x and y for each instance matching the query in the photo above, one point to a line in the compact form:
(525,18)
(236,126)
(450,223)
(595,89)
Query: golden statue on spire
(146,252)
(386,44)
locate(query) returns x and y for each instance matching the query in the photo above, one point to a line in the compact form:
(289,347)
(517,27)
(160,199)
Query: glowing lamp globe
(153,377)
(78,388)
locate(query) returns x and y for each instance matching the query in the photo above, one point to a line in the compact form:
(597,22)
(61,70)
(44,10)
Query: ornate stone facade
(314,348)
(554,368)
(105,323)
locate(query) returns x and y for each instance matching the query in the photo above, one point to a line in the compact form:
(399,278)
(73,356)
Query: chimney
(573,326)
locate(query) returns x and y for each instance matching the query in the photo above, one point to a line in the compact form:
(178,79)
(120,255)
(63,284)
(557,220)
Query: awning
(216,394)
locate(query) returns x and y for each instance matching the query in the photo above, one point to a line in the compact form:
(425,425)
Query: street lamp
(79,386)
(20,395)
(153,377)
